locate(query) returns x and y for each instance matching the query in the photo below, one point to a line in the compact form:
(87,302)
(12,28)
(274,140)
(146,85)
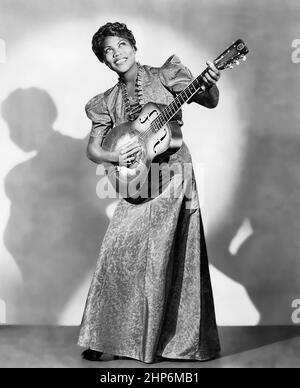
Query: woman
(151,294)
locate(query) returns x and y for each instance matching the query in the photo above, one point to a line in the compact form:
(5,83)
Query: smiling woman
(119,56)
(203,127)
(151,294)
(118,51)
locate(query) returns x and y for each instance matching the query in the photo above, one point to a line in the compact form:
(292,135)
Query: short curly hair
(110,29)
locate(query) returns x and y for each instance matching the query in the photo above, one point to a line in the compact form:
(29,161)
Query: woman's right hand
(128,152)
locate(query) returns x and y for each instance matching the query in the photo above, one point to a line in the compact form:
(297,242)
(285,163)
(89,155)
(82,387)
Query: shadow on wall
(267,264)
(56,222)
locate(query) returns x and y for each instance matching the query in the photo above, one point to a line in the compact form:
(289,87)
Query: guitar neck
(169,111)
(230,56)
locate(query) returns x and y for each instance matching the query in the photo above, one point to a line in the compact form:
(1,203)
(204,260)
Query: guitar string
(158,122)
(176,104)
(163,118)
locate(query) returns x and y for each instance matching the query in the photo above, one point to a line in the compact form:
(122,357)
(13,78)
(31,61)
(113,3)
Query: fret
(157,125)
(160,121)
(164,117)
(193,86)
(184,92)
(180,96)
(153,127)
(198,82)
(167,112)
(225,60)
(176,104)
(189,92)
(173,108)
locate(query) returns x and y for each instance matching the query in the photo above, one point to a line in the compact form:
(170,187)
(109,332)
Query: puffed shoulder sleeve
(97,111)
(174,75)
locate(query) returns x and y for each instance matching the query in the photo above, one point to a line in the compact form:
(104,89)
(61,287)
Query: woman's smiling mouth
(120,61)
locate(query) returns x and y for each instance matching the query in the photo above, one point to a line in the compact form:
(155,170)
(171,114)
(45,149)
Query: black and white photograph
(149,186)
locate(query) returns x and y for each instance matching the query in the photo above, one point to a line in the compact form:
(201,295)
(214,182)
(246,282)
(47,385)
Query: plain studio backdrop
(246,152)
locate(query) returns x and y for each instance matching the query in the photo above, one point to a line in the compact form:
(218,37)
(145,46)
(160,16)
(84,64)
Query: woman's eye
(122,43)
(107,50)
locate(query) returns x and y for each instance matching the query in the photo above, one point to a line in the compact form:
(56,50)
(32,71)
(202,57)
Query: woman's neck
(130,76)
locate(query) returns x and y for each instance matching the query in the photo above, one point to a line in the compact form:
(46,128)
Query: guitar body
(157,145)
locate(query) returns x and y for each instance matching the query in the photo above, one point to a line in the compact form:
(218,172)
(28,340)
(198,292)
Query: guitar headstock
(232,55)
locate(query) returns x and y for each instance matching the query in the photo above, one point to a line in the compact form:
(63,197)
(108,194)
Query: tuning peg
(230,66)
(237,62)
(244,58)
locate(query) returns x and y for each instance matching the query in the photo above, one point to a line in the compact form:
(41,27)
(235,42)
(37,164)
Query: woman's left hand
(211,75)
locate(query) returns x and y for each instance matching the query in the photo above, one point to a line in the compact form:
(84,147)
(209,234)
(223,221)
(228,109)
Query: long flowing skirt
(151,293)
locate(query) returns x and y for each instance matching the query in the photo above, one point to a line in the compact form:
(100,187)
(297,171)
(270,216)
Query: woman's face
(119,55)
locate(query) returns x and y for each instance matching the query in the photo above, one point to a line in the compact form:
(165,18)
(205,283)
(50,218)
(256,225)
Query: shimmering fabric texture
(151,293)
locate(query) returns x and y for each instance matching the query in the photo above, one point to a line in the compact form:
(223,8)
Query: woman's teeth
(119,61)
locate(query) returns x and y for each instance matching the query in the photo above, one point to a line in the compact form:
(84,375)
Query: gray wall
(56,223)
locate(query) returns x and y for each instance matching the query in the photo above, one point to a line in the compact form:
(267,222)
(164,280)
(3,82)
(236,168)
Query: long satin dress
(151,293)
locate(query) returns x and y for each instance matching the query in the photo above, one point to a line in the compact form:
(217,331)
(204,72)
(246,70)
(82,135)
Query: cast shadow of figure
(56,221)
(267,263)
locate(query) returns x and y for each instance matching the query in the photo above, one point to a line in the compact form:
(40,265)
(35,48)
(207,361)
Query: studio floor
(55,346)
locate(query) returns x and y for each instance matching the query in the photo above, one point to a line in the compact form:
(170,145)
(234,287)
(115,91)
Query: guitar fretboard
(231,55)
(169,111)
